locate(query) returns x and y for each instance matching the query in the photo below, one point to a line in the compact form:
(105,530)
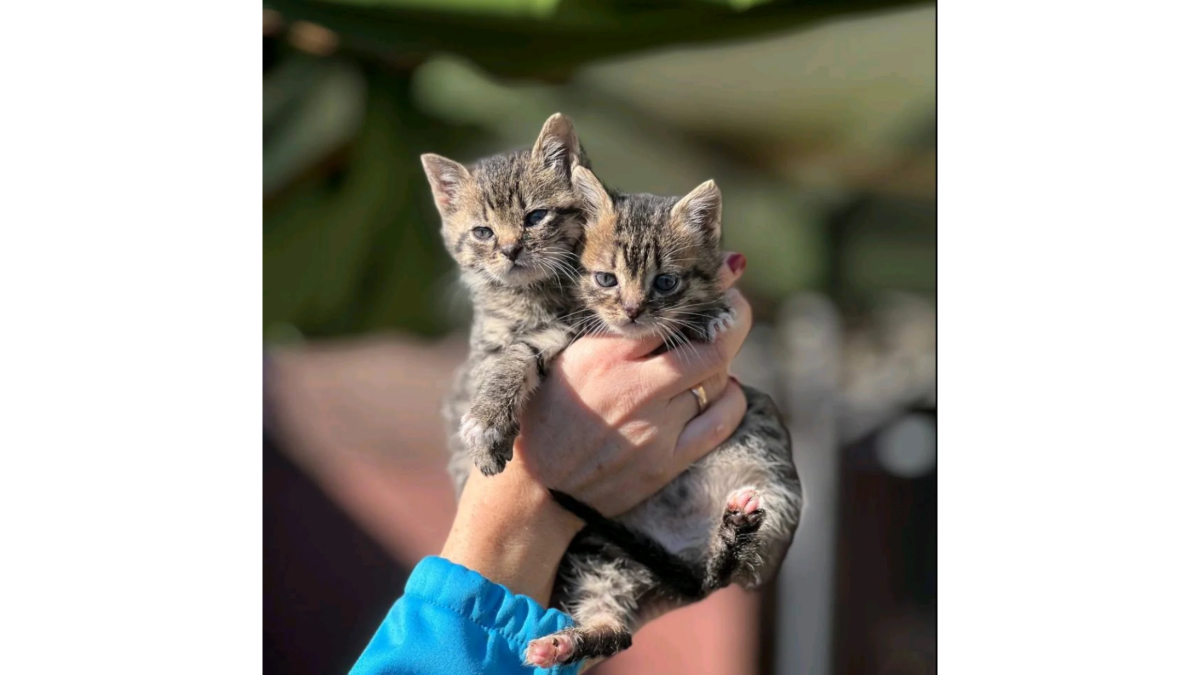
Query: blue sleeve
(453,621)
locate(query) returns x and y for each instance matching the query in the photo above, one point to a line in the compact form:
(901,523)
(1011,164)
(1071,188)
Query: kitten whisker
(685,344)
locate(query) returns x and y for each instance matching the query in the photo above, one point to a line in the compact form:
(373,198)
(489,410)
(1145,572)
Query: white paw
(722,323)
(480,439)
(549,651)
(477,435)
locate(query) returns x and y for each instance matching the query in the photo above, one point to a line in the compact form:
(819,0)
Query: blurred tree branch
(548,39)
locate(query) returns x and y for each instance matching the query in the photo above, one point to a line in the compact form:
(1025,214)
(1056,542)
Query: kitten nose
(632,311)
(512,251)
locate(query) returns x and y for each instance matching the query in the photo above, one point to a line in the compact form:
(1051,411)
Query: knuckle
(745,311)
(716,357)
(640,432)
(712,429)
(648,385)
(720,431)
(715,385)
(644,388)
(740,406)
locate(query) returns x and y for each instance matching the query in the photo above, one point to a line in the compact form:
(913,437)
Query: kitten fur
(520,304)
(731,517)
(520,273)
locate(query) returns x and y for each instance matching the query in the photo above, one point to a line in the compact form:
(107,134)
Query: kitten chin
(516,274)
(632,329)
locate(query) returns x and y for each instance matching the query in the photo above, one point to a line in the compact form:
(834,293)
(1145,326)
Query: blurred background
(818,121)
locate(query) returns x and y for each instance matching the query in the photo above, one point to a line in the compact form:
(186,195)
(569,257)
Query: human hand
(615,421)
(612,424)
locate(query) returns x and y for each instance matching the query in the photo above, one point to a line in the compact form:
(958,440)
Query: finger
(731,271)
(679,369)
(703,434)
(612,348)
(685,407)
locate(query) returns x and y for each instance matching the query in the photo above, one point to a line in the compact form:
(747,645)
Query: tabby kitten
(513,224)
(650,265)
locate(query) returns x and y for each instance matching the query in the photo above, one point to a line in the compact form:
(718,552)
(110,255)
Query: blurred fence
(838,384)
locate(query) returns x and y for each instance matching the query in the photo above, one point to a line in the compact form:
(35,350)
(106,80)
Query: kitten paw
(549,651)
(744,510)
(719,325)
(483,442)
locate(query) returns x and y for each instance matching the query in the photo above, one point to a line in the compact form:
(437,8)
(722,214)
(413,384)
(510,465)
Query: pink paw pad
(744,509)
(746,500)
(549,651)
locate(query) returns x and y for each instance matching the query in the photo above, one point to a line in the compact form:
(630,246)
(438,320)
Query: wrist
(509,529)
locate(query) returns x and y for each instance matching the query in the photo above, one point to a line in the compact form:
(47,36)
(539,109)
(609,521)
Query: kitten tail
(670,569)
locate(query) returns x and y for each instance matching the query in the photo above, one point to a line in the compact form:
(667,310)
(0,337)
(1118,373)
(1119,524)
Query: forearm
(508,529)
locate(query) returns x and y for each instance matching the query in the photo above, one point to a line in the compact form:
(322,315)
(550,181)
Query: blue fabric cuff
(517,618)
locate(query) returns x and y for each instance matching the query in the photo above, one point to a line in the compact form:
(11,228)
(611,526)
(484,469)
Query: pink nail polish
(736,262)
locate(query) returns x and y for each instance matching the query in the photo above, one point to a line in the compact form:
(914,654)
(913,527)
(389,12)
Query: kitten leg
(735,544)
(759,519)
(602,595)
(504,382)
(490,425)
(576,644)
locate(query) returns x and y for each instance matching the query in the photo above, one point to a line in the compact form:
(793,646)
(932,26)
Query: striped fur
(525,284)
(731,516)
(521,278)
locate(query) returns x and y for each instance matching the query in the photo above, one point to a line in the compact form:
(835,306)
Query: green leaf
(552,45)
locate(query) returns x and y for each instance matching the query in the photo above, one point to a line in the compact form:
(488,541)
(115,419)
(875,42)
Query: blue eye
(482,233)
(534,217)
(606,279)
(666,282)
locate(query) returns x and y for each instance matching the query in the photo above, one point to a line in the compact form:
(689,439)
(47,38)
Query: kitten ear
(558,146)
(446,177)
(700,210)
(595,198)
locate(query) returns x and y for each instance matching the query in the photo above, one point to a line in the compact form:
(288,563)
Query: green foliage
(350,237)
(548,39)
(359,248)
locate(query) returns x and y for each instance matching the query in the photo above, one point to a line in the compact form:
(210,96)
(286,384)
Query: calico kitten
(650,266)
(513,224)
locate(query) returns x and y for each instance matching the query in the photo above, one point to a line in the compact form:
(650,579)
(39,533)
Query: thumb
(615,347)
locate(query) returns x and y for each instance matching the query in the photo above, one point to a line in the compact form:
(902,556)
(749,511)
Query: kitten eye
(482,233)
(666,282)
(534,217)
(606,279)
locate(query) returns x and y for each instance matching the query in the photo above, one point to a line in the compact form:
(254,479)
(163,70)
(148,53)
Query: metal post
(809,339)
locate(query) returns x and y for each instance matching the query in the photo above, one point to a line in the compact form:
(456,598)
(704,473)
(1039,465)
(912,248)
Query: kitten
(513,225)
(650,265)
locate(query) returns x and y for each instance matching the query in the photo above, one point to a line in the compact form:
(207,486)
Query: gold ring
(701,396)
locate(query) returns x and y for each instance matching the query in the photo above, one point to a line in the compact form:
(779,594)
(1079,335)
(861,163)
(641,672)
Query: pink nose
(632,311)
(512,251)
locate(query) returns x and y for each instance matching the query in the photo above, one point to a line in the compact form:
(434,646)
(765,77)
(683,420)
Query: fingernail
(736,262)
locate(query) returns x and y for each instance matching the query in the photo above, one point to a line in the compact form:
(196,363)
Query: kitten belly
(684,514)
